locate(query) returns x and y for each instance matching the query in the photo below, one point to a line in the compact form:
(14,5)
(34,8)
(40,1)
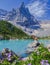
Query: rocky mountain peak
(22,5)
(21,16)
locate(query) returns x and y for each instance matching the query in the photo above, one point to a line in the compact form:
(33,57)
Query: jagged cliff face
(26,17)
(21,16)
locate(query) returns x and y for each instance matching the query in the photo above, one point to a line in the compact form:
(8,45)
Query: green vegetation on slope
(9,31)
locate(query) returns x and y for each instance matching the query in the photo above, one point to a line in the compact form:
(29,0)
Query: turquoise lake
(19,46)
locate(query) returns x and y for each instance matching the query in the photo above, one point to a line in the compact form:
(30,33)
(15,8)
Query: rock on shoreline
(31,47)
(48,47)
(8,55)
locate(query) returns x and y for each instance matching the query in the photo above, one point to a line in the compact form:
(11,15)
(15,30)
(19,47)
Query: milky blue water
(45,42)
(19,46)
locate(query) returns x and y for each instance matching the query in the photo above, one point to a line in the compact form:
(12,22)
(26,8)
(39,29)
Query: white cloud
(37,8)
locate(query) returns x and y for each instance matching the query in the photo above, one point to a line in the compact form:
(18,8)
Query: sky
(38,8)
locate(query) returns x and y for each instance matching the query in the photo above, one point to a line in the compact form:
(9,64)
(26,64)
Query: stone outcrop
(48,47)
(32,46)
(8,55)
